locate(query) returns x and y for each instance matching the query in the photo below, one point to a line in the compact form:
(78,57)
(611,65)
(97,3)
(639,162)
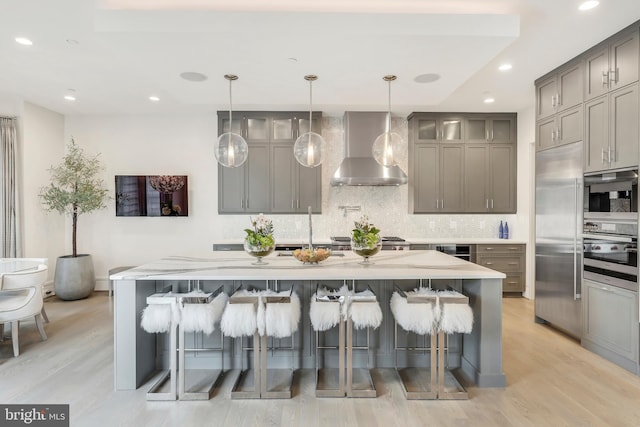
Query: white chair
(44,261)
(20,299)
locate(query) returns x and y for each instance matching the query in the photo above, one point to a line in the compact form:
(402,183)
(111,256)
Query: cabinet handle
(512,283)
(553,135)
(558,101)
(615,75)
(488,249)
(603,155)
(513,249)
(291,203)
(513,263)
(491,203)
(612,158)
(488,263)
(492,135)
(246,203)
(297,203)
(486,203)
(486,135)
(553,101)
(605,289)
(442,204)
(437,203)
(605,79)
(558,135)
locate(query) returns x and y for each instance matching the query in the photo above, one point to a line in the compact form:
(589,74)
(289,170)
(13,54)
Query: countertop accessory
(259,242)
(312,255)
(388,145)
(231,149)
(365,239)
(310,147)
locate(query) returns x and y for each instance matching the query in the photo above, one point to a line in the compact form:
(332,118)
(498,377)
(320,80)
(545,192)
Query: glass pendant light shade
(388,147)
(231,149)
(309,149)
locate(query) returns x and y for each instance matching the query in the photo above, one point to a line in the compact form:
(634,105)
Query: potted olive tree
(75,189)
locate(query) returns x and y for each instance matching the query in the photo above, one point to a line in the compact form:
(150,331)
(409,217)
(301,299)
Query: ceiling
(113,54)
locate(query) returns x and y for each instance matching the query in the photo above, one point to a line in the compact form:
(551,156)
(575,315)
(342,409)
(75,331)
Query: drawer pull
(512,283)
(488,249)
(488,263)
(513,263)
(513,249)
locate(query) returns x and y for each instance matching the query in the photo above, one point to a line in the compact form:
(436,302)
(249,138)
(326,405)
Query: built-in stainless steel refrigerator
(559,195)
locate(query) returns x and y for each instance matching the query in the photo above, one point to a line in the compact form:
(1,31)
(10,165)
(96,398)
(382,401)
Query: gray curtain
(9,189)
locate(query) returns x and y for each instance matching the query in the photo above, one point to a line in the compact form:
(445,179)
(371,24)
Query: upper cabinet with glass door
(435,127)
(498,128)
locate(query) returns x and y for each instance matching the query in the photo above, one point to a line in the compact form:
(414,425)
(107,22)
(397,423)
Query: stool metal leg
(364,386)
(325,383)
(449,387)
(239,390)
(155,392)
(415,383)
(203,389)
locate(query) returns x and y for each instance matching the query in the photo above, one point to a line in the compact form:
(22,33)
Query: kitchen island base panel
(479,354)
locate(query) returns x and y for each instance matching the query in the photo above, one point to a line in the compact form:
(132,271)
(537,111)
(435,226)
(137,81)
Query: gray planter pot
(74,278)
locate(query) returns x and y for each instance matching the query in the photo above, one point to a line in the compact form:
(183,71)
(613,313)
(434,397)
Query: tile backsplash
(386,207)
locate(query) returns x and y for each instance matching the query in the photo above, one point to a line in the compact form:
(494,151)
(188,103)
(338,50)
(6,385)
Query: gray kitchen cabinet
(507,258)
(271,180)
(475,176)
(490,128)
(612,64)
(611,130)
(610,323)
(560,90)
(490,178)
(562,128)
(437,127)
(294,186)
(437,178)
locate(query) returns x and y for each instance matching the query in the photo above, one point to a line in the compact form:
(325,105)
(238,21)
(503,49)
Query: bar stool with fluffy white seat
(199,313)
(161,316)
(239,320)
(325,313)
(416,312)
(363,312)
(456,317)
(280,320)
(21,299)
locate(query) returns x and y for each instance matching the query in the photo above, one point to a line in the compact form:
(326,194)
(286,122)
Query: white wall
(42,146)
(182,144)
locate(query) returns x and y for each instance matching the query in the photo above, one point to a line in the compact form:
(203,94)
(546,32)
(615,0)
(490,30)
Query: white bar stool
(199,313)
(416,312)
(281,318)
(456,317)
(240,319)
(325,314)
(363,311)
(160,317)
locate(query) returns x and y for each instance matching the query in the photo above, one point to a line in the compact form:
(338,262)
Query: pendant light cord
(389,108)
(230,108)
(310,103)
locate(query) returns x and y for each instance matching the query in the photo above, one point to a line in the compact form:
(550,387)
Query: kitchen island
(479,358)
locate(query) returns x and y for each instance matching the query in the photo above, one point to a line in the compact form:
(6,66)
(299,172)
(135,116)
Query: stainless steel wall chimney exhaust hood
(359,167)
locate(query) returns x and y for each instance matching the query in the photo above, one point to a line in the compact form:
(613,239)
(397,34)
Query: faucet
(346,209)
(310,230)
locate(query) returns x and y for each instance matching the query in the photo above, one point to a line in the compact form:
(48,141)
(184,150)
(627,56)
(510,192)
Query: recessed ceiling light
(70,97)
(590,4)
(292,59)
(426,78)
(193,76)
(489,100)
(73,41)
(154,98)
(505,67)
(24,41)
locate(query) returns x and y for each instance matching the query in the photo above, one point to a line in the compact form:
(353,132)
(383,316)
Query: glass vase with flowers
(365,239)
(259,241)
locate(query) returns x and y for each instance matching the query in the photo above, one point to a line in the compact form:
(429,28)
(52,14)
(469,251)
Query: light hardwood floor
(551,381)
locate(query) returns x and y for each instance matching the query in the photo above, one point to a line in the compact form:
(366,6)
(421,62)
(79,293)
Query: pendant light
(309,149)
(389,145)
(231,149)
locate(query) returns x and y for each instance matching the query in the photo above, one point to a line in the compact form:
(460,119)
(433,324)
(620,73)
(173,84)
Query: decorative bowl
(366,251)
(258,251)
(312,256)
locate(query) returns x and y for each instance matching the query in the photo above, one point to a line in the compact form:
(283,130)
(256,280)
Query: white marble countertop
(463,240)
(237,265)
